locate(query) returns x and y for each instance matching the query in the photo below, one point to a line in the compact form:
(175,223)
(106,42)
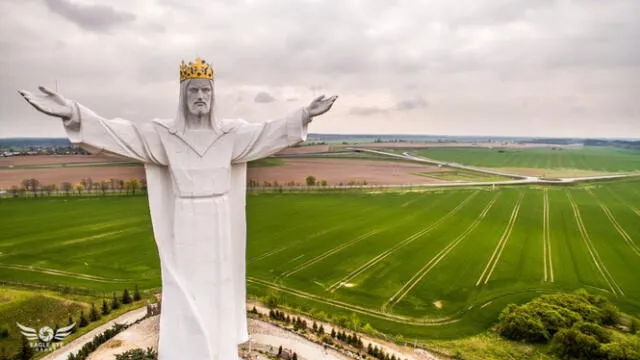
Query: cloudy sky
(521,67)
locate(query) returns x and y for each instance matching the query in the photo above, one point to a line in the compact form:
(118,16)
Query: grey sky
(520,67)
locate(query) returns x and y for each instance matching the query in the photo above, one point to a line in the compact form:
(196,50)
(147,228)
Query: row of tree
(34,186)
(353,340)
(309,181)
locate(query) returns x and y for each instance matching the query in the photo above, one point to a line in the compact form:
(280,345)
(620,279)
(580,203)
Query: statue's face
(199,96)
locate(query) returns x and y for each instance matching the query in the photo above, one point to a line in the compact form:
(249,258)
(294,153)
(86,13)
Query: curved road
(521,179)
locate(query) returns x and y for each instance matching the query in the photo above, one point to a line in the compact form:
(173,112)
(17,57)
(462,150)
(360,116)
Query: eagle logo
(45,334)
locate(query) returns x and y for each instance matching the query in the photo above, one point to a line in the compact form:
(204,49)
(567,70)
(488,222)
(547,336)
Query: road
(521,179)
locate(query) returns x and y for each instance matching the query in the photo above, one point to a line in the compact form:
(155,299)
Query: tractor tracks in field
(420,274)
(280,249)
(63,273)
(615,288)
(497,253)
(624,201)
(399,245)
(625,236)
(329,253)
(546,239)
(358,309)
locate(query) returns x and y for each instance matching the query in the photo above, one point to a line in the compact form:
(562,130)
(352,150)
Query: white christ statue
(196,176)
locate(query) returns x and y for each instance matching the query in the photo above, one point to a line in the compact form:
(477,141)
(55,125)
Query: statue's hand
(49,102)
(320,105)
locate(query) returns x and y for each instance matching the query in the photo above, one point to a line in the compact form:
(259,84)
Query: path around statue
(75,345)
(145,334)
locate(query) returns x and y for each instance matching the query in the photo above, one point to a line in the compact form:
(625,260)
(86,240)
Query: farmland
(596,159)
(431,264)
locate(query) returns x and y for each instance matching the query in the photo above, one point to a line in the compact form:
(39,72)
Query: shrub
(571,343)
(595,330)
(138,354)
(519,324)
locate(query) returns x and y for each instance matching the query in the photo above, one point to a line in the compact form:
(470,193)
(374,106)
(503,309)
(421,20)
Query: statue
(196,176)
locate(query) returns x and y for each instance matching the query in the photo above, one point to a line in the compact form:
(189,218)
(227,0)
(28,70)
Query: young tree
(82,322)
(115,303)
(26,352)
(79,188)
(66,187)
(134,184)
(104,186)
(321,330)
(311,180)
(93,313)
(136,294)
(105,307)
(295,356)
(126,297)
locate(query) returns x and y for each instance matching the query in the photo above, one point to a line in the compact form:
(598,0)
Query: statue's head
(196,93)
(199,96)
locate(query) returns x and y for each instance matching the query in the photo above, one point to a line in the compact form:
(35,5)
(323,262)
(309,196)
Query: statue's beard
(197,118)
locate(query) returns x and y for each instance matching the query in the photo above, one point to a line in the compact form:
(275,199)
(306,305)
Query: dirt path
(75,345)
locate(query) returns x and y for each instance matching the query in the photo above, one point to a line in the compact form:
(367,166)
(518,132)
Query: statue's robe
(196,188)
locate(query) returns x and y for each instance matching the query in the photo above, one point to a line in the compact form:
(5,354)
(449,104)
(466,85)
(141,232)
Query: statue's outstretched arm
(97,134)
(256,141)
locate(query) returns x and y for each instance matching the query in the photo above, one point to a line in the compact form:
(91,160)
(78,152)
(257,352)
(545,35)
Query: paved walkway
(75,345)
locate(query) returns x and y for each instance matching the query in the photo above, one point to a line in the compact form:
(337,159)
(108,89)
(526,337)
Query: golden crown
(198,69)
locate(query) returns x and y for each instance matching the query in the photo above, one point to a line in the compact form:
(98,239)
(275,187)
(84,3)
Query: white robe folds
(196,190)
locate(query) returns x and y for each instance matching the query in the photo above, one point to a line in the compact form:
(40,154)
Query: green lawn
(439,264)
(603,159)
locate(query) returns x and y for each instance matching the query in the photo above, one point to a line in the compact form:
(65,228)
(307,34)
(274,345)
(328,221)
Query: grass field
(602,159)
(435,264)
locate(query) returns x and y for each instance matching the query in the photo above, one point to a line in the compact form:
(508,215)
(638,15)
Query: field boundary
(608,278)
(497,252)
(63,273)
(420,274)
(546,240)
(330,252)
(399,245)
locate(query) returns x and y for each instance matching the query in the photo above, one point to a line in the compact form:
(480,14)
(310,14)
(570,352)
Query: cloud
(504,67)
(264,97)
(98,18)
(367,110)
(412,103)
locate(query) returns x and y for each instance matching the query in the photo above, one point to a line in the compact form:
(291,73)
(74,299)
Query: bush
(595,330)
(138,354)
(621,351)
(571,343)
(519,324)
(540,319)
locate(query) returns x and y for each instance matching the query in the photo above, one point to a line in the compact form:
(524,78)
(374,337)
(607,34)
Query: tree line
(86,185)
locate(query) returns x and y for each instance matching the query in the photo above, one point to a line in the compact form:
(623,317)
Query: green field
(438,264)
(602,159)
